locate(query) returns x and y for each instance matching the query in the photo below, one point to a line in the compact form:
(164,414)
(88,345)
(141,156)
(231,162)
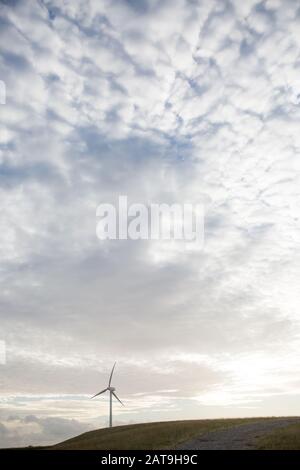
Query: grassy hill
(161,435)
(281,439)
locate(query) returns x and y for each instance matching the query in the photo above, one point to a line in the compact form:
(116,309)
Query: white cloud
(163,101)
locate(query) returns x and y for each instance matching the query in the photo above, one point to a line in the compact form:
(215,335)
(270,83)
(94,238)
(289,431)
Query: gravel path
(240,437)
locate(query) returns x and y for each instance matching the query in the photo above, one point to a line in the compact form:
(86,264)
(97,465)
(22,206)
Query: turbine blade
(115,395)
(102,391)
(112,371)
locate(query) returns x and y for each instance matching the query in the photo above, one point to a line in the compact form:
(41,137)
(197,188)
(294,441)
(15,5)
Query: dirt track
(240,437)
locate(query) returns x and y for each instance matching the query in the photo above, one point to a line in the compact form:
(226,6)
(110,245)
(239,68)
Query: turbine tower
(111,394)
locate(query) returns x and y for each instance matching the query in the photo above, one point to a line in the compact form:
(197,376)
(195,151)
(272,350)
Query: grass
(282,439)
(147,436)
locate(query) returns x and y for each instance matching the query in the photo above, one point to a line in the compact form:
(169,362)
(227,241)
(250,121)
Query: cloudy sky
(173,100)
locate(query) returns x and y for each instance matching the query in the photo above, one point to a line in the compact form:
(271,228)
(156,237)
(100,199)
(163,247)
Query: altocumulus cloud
(168,101)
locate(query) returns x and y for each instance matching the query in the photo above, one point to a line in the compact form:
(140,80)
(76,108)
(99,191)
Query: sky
(173,100)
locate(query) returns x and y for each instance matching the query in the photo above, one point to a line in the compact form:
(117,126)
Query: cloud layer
(168,101)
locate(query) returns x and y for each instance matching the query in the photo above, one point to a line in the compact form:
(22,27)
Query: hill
(159,435)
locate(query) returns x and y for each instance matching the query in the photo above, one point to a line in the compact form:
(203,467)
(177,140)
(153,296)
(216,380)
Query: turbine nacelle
(111,389)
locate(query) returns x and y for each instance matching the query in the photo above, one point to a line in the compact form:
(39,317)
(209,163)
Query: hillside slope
(160,435)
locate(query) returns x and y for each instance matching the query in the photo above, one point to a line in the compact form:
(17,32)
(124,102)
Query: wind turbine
(111,394)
